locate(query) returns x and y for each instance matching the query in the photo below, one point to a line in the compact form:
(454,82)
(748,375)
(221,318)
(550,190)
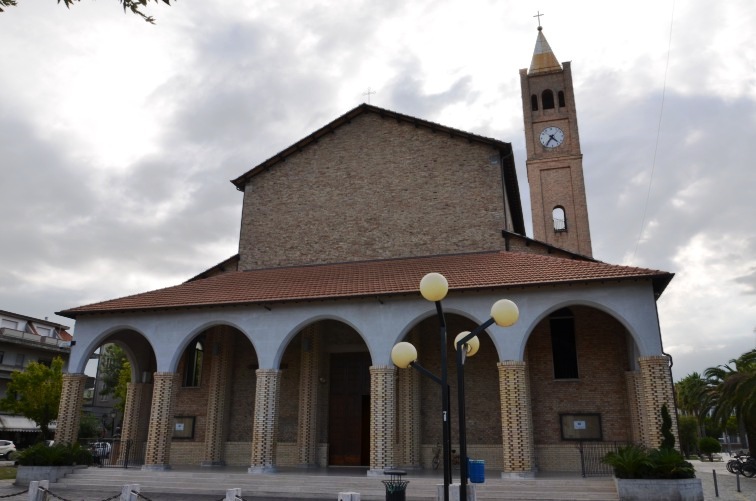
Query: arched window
(560,219)
(563,345)
(534,102)
(560,98)
(547,98)
(193,364)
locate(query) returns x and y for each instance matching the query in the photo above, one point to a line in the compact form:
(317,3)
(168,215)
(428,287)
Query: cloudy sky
(118,138)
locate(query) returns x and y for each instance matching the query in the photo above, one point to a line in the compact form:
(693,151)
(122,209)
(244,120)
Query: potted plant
(657,474)
(43,462)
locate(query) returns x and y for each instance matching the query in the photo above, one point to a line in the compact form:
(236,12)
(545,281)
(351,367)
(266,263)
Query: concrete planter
(25,474)
(684,489)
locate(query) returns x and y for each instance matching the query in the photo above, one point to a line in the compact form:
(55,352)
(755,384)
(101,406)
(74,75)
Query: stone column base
(454,492)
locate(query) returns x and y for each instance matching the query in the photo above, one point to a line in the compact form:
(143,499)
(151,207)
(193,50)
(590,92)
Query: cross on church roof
(539,19)
(368,94)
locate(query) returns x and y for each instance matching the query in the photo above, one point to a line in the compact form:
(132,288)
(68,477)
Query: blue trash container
(476,471)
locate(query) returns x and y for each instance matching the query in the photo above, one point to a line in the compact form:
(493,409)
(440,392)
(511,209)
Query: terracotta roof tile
(373,278)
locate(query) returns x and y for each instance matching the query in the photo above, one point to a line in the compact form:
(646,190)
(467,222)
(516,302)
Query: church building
(280,355)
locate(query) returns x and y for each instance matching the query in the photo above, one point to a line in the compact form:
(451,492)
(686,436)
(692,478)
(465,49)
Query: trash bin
(476,470)
(396,488)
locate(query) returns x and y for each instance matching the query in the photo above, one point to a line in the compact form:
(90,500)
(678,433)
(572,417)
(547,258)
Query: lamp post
(504,313)
(433,287)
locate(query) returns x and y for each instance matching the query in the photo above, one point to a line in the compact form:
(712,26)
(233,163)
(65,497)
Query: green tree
(35,393)
(734,390)
(694,398)
(688,434)
(124,378)
(709,446)
(134,6)
(112,358)
(668,438)
(89,426)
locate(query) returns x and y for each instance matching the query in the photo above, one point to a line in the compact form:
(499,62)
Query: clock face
(551,137)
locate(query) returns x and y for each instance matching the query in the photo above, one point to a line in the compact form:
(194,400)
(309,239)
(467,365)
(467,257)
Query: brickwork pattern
(603,360)
(656,390)
(265,425)
(161,419)
(382,189)
(243,383)
(408,417)
(69,409)
(635,403)
(382,416)
(131,414)
(516,425)
(218,395)
(308,397)
(555,175)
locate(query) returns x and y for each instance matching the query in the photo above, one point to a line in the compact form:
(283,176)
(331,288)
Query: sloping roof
(505,149)
(487,270)
(544,60)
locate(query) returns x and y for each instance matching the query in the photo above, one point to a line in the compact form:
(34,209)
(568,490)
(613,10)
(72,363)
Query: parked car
(101,450)
(6,448)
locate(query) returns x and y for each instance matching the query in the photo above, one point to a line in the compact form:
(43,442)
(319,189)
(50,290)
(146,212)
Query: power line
(658,135)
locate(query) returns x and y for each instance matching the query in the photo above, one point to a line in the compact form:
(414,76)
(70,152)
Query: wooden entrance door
(349,410)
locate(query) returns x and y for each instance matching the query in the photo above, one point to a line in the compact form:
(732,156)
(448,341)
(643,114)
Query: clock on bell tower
(554,160)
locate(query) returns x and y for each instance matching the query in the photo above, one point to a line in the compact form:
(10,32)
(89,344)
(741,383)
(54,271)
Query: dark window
(563,347)
(534,102)
(2,356)
(560,97)
(547,98)
(47,363)
(560,219)
(193,367)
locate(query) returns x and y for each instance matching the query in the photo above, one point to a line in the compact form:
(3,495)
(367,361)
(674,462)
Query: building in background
(23,340)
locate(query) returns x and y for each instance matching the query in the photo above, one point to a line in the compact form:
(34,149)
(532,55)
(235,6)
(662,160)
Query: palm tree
(734,389)
(694,398)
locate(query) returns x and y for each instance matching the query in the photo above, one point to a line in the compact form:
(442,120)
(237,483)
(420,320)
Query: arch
(113,335)
(195,332)
(571,303)
(559,217)
(286,340)
(547,98)
(534,102)
(560,99)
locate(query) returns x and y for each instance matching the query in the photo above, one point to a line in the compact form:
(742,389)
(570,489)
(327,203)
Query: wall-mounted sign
(580,426)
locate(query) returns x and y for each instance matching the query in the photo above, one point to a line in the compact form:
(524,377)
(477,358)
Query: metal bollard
(737,480)
(130,492)
(349,496)
(716,487)
(35,490)
(233,494)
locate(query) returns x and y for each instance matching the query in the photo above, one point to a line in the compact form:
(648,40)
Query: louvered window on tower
(560,220)
(547,98)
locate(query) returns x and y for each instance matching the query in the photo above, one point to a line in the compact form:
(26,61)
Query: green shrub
(635,462)
(56,455)
(629,462)
(668,463)
(709,446)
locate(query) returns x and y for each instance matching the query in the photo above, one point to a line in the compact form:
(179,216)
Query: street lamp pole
(504,313)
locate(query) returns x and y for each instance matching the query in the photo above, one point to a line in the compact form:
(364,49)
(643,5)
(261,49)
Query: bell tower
(554,160)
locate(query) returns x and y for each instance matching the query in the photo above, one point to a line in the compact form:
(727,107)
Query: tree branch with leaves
(133,6)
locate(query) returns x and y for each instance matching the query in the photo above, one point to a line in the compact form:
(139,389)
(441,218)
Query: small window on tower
(560,219)
(560,97)
(534,102)
(547,98)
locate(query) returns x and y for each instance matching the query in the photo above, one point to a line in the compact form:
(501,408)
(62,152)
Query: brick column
(69,410)
(308,399)
(218,398)
(655,390)
(158,454)
(632,379)
(408,418)
(265,425)
(382,418)
(131,414)
(516,421)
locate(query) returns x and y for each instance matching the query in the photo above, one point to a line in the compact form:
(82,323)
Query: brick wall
(602,388)
(375,188)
